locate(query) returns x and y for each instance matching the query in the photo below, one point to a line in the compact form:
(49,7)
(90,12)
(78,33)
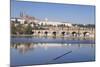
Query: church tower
(46,21)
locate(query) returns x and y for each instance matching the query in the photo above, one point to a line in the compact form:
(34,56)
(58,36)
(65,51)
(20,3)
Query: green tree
(13,28)
(28,29)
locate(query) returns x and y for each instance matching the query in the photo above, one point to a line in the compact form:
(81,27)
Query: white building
(46,22)
(21,21)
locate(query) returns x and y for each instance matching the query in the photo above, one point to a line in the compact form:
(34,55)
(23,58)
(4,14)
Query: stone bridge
(65,31)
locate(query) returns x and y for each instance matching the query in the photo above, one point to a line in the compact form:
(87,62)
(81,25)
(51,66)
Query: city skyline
(78,14)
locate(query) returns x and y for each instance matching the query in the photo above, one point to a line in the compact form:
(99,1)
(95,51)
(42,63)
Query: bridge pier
(65,33)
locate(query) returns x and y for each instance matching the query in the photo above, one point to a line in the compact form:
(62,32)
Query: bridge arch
(32,32)
(74,33)
(46,32)
(54,33)
(39,32)
(86,33)
(63,33)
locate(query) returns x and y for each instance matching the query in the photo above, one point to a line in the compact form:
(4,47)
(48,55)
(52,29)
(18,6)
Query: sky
(78,14)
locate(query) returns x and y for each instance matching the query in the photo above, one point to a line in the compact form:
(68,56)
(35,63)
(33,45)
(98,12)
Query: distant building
(55,23)
(26,19)
(18,20)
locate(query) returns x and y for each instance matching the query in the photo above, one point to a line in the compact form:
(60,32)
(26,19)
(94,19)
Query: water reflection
(54,37)
(33,51)
(25,47)
(47,53)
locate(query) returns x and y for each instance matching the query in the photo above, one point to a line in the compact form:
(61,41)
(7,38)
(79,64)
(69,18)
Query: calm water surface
(33,51)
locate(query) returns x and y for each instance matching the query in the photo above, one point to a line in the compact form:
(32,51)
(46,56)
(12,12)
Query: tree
(28,29)
(13,28)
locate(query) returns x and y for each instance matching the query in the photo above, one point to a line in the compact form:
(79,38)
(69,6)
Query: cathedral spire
(21,14)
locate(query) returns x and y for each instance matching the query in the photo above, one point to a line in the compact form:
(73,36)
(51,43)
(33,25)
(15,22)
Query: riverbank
(62,37)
